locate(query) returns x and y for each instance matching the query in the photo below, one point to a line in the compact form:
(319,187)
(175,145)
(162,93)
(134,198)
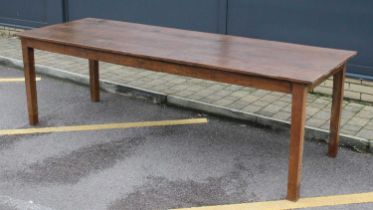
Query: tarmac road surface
(175,166)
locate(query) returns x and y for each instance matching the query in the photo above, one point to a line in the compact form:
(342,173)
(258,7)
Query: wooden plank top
(267,59)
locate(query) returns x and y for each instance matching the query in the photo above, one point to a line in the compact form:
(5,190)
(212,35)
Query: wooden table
(269,65)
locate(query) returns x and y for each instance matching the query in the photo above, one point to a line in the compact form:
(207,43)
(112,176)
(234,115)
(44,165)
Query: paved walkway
(357,119)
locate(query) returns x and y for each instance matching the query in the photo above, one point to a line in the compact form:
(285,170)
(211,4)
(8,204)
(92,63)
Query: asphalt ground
(220,162)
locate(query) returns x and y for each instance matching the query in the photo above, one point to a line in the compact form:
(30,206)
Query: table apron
(163,66)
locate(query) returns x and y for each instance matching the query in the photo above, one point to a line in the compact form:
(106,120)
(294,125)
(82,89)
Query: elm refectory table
(269,65)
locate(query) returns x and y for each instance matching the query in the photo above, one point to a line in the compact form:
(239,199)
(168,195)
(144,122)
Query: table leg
(338,89)
(94,80)
(299,100)
(30,80)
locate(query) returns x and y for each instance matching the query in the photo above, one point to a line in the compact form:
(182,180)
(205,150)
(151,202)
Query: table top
(268,59)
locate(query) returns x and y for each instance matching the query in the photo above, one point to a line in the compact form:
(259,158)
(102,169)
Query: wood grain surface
(275,60)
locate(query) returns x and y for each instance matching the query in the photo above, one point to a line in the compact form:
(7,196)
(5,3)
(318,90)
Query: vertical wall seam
(226,16)
(222,17)
(65,11)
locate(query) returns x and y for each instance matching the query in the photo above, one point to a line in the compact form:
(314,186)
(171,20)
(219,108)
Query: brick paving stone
(368,108)
(231,98)
(329,106)
(205,92)
(310,100)
(279,94)
(352,127)
(191,87)
(322,115)
(272,108)
(250,98)
(354,107)
(314,122)
(325,126)
(237,105)
(240,93)
(199,82)
(280,103)
(270,97)
(320,102)
(265,113)
(359,121)
(347,114)
(260,93)
(193,96)
(349,132)
(176,87)
(316,106)
(223,93)
(213,97)
(286,98)
(260,103)
(346,117)
(251,108)
(311,111)
(207,100)
(364,114)
(217,87)
(286,108)
(282,116)
(232,88)
(356,117)
(223,102)
(367,134)
(312,97)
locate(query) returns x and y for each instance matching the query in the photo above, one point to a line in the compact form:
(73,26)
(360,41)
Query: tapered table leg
(30,80)
(299,100)
(94,80)
(335,119)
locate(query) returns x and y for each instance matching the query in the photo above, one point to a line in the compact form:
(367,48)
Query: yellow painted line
(334,200)
(16,79)
(102,126)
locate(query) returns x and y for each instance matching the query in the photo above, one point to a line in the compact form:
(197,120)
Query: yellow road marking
(302,203)
(16,79)
(102,127)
